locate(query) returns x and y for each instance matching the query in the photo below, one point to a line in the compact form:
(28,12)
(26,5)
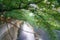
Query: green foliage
(42,13)
(21,15)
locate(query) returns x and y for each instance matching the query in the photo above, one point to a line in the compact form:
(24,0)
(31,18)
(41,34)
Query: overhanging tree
(39,13)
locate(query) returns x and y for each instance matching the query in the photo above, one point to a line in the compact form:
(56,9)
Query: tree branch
(25,7)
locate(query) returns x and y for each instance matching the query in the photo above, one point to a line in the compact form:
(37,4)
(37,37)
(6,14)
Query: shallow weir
(26,32)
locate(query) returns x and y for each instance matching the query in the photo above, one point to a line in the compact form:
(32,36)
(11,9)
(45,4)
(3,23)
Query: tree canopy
(39,13)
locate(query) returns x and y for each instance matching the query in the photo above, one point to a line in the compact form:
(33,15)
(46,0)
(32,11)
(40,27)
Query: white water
(26,35)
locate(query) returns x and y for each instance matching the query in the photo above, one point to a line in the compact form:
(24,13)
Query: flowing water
(26,32)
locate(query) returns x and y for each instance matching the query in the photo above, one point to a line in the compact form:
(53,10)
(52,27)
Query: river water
(26,32)
(23,35)
(29,36)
